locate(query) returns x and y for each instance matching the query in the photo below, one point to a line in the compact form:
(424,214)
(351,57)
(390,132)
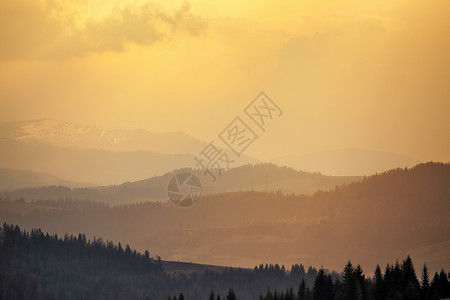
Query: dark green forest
(398,281)
(36,265)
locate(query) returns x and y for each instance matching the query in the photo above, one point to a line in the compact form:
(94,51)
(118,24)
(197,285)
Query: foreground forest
(34,265)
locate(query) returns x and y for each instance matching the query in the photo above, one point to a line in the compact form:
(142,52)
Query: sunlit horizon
(365,75)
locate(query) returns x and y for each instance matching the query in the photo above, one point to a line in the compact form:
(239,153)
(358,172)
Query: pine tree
(443,284)
(269,295)
(323,286)
(319,285)
(409,274)
(119,247)
(329,287)
(127,249)
(231,295)
(425,285)
(211,296)
(289,295)
(361,281)
(308,294)
(301,294)
(379,291)
(276,295)
(181,297)
(410,285)
(395,282)
(351,288)
(435,292)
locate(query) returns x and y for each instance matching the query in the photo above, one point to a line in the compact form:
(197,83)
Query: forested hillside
(381,219)
(244,178)
(35,265)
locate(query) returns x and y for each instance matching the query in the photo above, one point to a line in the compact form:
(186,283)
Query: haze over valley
(224,150)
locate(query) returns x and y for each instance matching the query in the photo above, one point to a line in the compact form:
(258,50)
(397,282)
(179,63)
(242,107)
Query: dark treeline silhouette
(398,282)
(34,265)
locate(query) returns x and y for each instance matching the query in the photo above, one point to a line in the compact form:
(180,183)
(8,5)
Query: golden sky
(348,74)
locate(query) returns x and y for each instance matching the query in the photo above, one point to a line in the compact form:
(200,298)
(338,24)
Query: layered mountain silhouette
(347,162)
(16,179)
(377,220)
(94,154)
(260,177)
(104,156)
(81,136)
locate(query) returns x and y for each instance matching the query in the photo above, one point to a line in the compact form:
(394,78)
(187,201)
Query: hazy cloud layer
(349,74)
(34,29)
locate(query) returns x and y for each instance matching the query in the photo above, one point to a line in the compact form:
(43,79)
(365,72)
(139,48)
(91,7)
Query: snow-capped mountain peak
(79,135)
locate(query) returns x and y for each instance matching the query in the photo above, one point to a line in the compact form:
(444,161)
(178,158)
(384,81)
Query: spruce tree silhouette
(425,284)
(379,289)
(231,295)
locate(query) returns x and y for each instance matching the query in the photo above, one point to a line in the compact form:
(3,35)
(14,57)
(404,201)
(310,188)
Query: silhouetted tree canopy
(34,265)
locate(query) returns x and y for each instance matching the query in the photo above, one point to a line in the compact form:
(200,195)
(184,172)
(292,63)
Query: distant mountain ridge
(243,178)
(347,162)
(15,179)
(100,167)
(373,221)
(104,156)
(84,153)
(78,135)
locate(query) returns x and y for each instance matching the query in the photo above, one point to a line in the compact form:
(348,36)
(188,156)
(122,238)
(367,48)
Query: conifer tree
(231,295)
(425,284)
(379,291)
(301,294)
(323,286)
(361,282)
(289,295)
(351,289)
(212,296)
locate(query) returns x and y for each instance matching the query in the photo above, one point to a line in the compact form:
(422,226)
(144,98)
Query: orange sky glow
(347,74)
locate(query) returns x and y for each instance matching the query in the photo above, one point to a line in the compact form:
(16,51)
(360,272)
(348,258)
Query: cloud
(52,29)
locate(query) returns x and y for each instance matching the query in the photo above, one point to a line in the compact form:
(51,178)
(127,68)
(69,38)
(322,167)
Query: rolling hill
(15,179)
(347,162)
(88,165)
(244,178)
(377,220)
